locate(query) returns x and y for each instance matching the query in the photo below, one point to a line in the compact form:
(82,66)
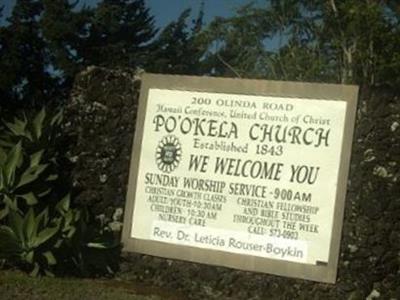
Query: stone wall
(101,118)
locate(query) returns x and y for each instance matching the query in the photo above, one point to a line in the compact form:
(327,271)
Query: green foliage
(120,31)
(34,239)
(27,163)
(96,250)
(178,49)
(65,27)
(351,41)
(236,45)
(24,61)
(47,42)
(32,226)
(38,231)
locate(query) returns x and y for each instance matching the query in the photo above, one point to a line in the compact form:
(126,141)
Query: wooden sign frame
(323,272)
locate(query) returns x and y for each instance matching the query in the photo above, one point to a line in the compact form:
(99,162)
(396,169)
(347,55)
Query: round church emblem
(168,153)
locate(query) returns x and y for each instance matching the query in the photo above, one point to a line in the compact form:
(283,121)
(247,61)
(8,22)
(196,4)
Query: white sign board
(251,176)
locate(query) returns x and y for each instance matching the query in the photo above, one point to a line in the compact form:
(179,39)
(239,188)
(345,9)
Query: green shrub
(34,239)
(34,225)
(30,161)
(40,230)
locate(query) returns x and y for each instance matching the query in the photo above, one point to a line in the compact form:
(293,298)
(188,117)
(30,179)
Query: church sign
(248,174)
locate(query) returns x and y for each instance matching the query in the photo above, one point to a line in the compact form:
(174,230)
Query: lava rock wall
(101,119)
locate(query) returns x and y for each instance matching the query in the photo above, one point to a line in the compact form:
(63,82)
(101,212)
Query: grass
(15,285)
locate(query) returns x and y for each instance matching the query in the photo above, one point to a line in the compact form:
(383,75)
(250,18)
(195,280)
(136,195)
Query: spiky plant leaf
(3,156)
(31,174)
(35,271)
(10,245)
(2,180)
(13,160)
(29,227)
(17,127)
(4,212)
(36,157)
(11,203)
(71,232)
(30,198)
(16,223)
(5,143)
(44,193)
(63,205)
(51,260)
(97,245)
(52,177)
(49,273)
(29,256)
(42,219)
(38,123)
(45,235)
(57,119)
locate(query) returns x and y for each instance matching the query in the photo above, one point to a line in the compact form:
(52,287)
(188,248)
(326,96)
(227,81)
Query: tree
(47,42)
(236,45)
(118,34)
(65,28)
(349,41)
(25,75)
(357,35)
(178,50)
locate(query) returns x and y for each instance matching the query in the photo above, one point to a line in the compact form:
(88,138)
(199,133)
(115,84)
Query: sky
(166,11)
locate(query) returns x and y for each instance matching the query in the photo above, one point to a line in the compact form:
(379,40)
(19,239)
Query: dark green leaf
(13,160)
(2,180)
(69,215)
(58,243)
(48,273)
(97,245)
(11,203)
(29,256)
(30,198)
(3,157)
(36,157)
(51,260)
(103,245)
(46,192)
(71,232)
(77,215)
(45,235)
(63,205)
(9,243)
(6,144)
(4,212)
(35,271)
(42,219)
(38,123)
(52,177)
(16,224)
(57,119)
(29,227)
(31,174)
(18,127)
